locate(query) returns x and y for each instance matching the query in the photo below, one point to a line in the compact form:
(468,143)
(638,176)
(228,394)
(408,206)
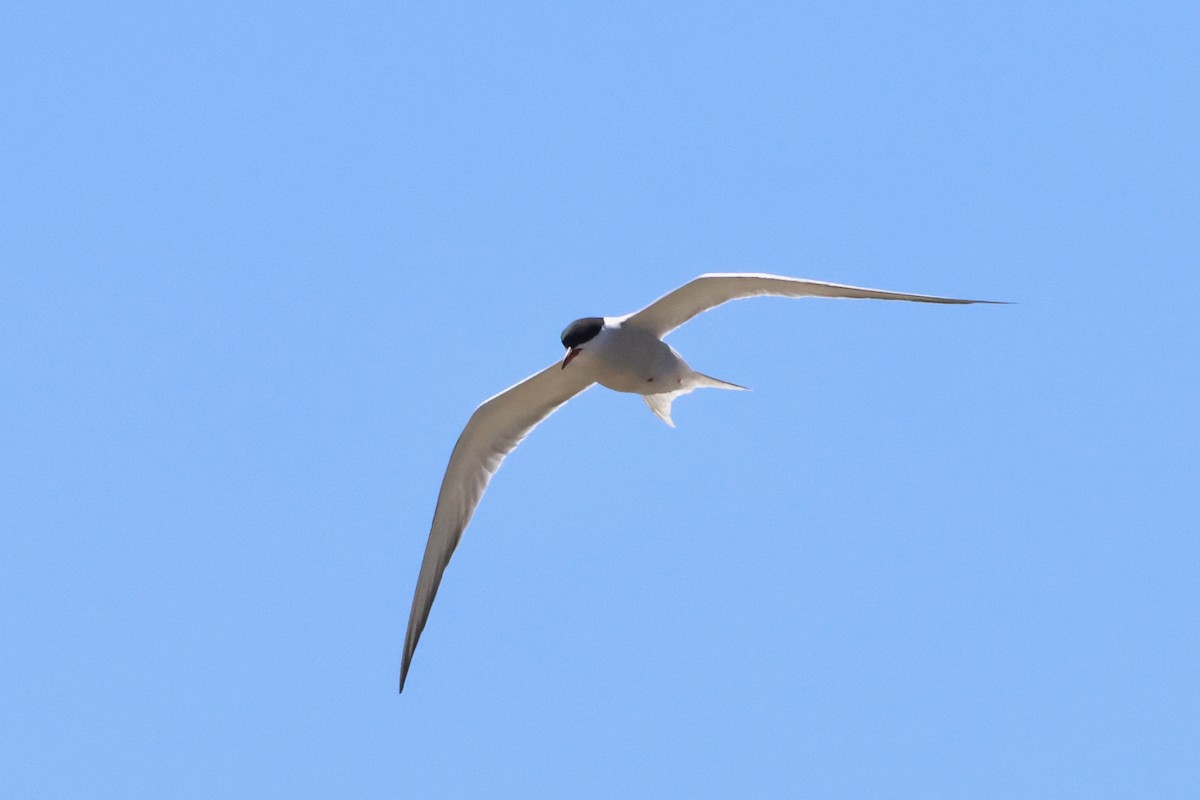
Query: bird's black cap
(581,330)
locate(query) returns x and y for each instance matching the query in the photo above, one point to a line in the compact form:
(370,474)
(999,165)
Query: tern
(625,354)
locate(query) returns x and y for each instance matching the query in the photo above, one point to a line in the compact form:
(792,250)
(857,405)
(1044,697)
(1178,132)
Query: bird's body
(629,359)
(625,354)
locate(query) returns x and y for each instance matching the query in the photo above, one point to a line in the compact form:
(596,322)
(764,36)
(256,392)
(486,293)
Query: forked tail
(660,404)
(709,381)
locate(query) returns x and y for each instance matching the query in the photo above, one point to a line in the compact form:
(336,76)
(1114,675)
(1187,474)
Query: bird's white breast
(632,360)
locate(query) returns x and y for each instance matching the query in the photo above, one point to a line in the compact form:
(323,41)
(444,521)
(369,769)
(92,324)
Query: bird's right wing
(708,291)
(496,427)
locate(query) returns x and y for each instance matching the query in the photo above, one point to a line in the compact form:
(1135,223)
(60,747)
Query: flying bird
(625,354)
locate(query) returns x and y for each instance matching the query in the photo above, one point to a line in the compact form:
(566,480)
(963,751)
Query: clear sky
(259,262)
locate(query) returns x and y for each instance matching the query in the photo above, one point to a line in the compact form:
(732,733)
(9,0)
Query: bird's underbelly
(639,384)
(641,365)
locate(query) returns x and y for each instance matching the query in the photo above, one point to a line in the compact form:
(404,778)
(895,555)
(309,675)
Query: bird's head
(579,333)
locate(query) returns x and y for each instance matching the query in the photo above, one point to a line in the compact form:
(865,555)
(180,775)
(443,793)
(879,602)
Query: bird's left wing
(496,427)
(700,294)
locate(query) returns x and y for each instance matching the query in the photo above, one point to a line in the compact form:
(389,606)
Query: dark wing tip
(959,302)
(406,662)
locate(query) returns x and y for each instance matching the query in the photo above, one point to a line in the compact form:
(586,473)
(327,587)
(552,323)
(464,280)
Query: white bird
(625,354)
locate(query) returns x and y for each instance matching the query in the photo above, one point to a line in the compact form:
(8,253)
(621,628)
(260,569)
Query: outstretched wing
(496,427)
(708,291)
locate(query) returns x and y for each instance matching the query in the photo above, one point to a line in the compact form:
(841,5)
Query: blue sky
(259,263)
